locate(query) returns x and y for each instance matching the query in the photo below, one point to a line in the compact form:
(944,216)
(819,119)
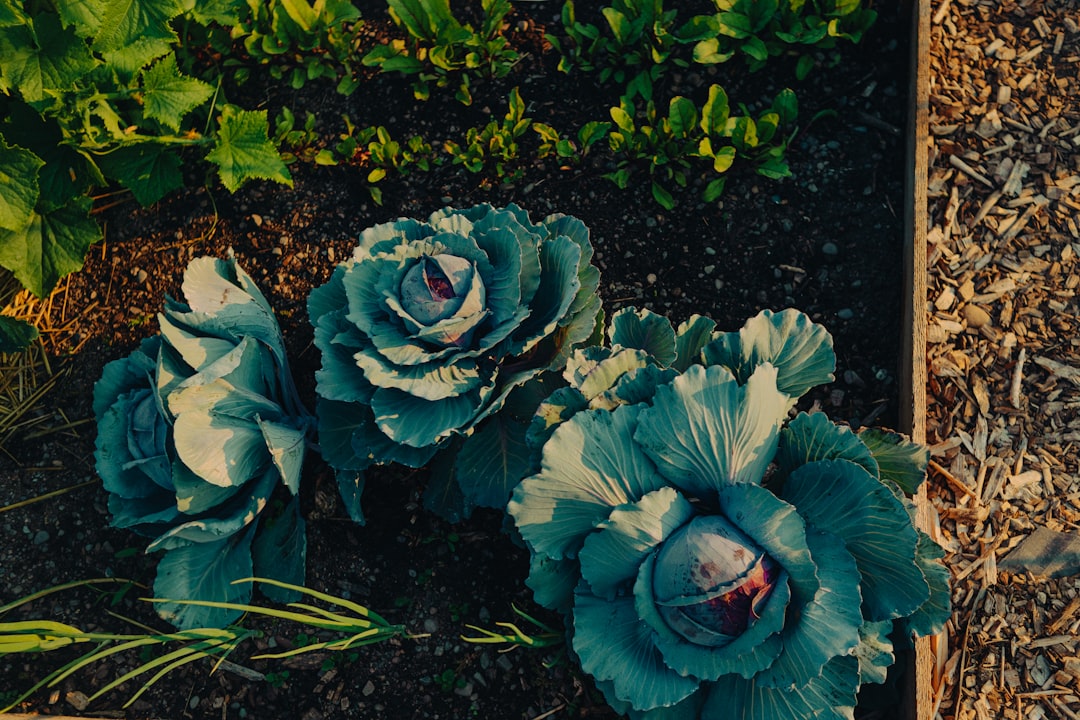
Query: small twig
(971,172)
(953,480)
(1017,378)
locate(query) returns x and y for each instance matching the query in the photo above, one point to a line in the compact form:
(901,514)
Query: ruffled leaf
(844,499)
(614,645)
(800,350)
(413,421)
(224,451)
(828,626)
(243,150)
(610,557)
(899,460)
(810,437)
(830,696)
(590,466)
(875,651)
(279,552)
(646,331)
(704,430)
(690,338)
(931,616)
(204,571)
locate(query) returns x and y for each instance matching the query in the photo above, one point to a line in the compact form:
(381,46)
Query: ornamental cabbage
(717,561)
(196,430)
(434,338)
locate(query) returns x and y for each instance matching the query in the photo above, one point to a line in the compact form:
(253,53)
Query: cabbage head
(431,330)
(196,430)
(716,560)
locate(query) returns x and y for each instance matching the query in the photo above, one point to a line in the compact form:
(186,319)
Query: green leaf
(714,189)
(18,185)
(492,461)
(844,499)
(279,552)
(590,466)
(301,13)
(149,170)
(168,95)
(682,115)
(622,119)
(42,56)
(690,337)
(774,168)
(714,114)
(662,196)
(830,696)
(204,571)
(899,460)
(707,52)
(931,616)
(801,350)
(810,437)
(803,67)
(705,430)
(611,555)
(50,246)
(614,645)
(11,13)
(15,334)
(787,106)
(644,330)
(243,150)
(137,22)
(84,15)
(723,159)
(743,133)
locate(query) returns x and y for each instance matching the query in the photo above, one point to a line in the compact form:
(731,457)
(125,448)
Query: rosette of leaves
(715,560)
(645,351)
(197,429)
(435,337)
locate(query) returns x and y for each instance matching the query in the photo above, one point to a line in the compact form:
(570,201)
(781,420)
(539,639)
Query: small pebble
(845,313)
(41,538)
(77,699)
(193,702)
(369,689)
(651,278)
(830,249)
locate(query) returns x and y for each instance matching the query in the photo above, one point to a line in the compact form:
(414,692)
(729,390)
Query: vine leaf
(243,150)
(50,246)
(169,95)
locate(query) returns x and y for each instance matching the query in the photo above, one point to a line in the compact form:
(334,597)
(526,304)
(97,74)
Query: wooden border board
(918,700)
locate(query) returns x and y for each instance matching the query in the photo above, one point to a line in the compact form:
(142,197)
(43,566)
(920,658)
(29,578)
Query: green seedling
(349,624)
(514,637)
(676,146)
(760,29)
(632,51)
(496,145)
(439,49)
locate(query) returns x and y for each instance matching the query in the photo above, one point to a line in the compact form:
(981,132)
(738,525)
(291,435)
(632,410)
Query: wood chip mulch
(1003,353)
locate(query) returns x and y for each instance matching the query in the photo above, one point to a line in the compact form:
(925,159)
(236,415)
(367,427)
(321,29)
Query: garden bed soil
(828,241)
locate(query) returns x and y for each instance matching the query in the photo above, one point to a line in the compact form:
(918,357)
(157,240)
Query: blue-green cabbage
(430,335)
(714,558)
(196,430)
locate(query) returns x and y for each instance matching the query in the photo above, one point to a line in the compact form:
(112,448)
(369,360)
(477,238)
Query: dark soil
(827,241)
